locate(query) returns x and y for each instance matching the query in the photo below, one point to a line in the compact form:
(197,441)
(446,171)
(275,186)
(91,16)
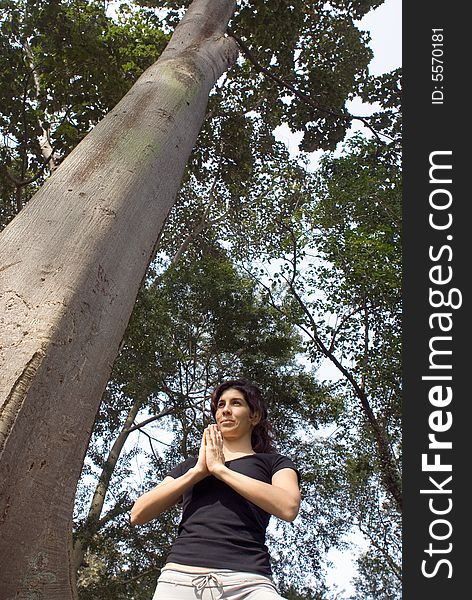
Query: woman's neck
(236,448)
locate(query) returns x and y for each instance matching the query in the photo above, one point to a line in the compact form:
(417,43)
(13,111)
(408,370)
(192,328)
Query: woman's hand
(201,465)
(215,458)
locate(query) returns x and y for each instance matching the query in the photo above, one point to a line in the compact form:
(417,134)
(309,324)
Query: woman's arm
(280,498)
(167,493)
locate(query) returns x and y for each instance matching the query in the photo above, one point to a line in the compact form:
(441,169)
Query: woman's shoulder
(277,461)
(273,458)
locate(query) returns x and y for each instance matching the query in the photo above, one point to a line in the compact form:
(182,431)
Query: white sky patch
(385,27)
(339,577)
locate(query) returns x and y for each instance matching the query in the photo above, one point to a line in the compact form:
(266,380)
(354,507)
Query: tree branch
(116,511)
(203,224)
(389,471)
(366,343)
(91,525)
(44,142)
(162,413)
(391,563)
(140,576)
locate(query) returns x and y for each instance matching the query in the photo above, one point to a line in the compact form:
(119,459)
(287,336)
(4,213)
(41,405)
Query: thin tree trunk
(71,264)
(93,523)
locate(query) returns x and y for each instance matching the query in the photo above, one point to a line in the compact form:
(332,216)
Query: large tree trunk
(71,264)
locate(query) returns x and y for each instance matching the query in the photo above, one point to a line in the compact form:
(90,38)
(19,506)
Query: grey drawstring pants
(216,585)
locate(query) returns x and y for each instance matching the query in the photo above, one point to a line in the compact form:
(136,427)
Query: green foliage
(128,569)
(72,61)
(319,50)
(386,91)
(374,581)
(63,66)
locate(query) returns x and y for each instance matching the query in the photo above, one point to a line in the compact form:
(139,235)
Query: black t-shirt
(219,528)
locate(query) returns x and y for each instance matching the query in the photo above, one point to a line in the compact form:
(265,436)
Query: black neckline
(239,457)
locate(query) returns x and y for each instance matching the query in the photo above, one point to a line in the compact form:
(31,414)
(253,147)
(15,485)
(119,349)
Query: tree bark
(71,264)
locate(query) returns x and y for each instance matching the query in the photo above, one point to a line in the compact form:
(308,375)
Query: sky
(385,25)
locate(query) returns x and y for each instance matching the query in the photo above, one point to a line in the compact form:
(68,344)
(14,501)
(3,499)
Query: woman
(229,493)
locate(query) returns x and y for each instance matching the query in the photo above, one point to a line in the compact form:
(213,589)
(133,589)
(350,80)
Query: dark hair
(262,434)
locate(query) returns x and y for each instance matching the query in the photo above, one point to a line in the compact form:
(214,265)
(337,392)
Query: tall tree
(66,296)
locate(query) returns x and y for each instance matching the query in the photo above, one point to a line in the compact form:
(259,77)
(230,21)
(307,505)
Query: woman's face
(233,414)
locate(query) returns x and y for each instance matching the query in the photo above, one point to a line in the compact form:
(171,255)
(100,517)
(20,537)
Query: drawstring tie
(205,581)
